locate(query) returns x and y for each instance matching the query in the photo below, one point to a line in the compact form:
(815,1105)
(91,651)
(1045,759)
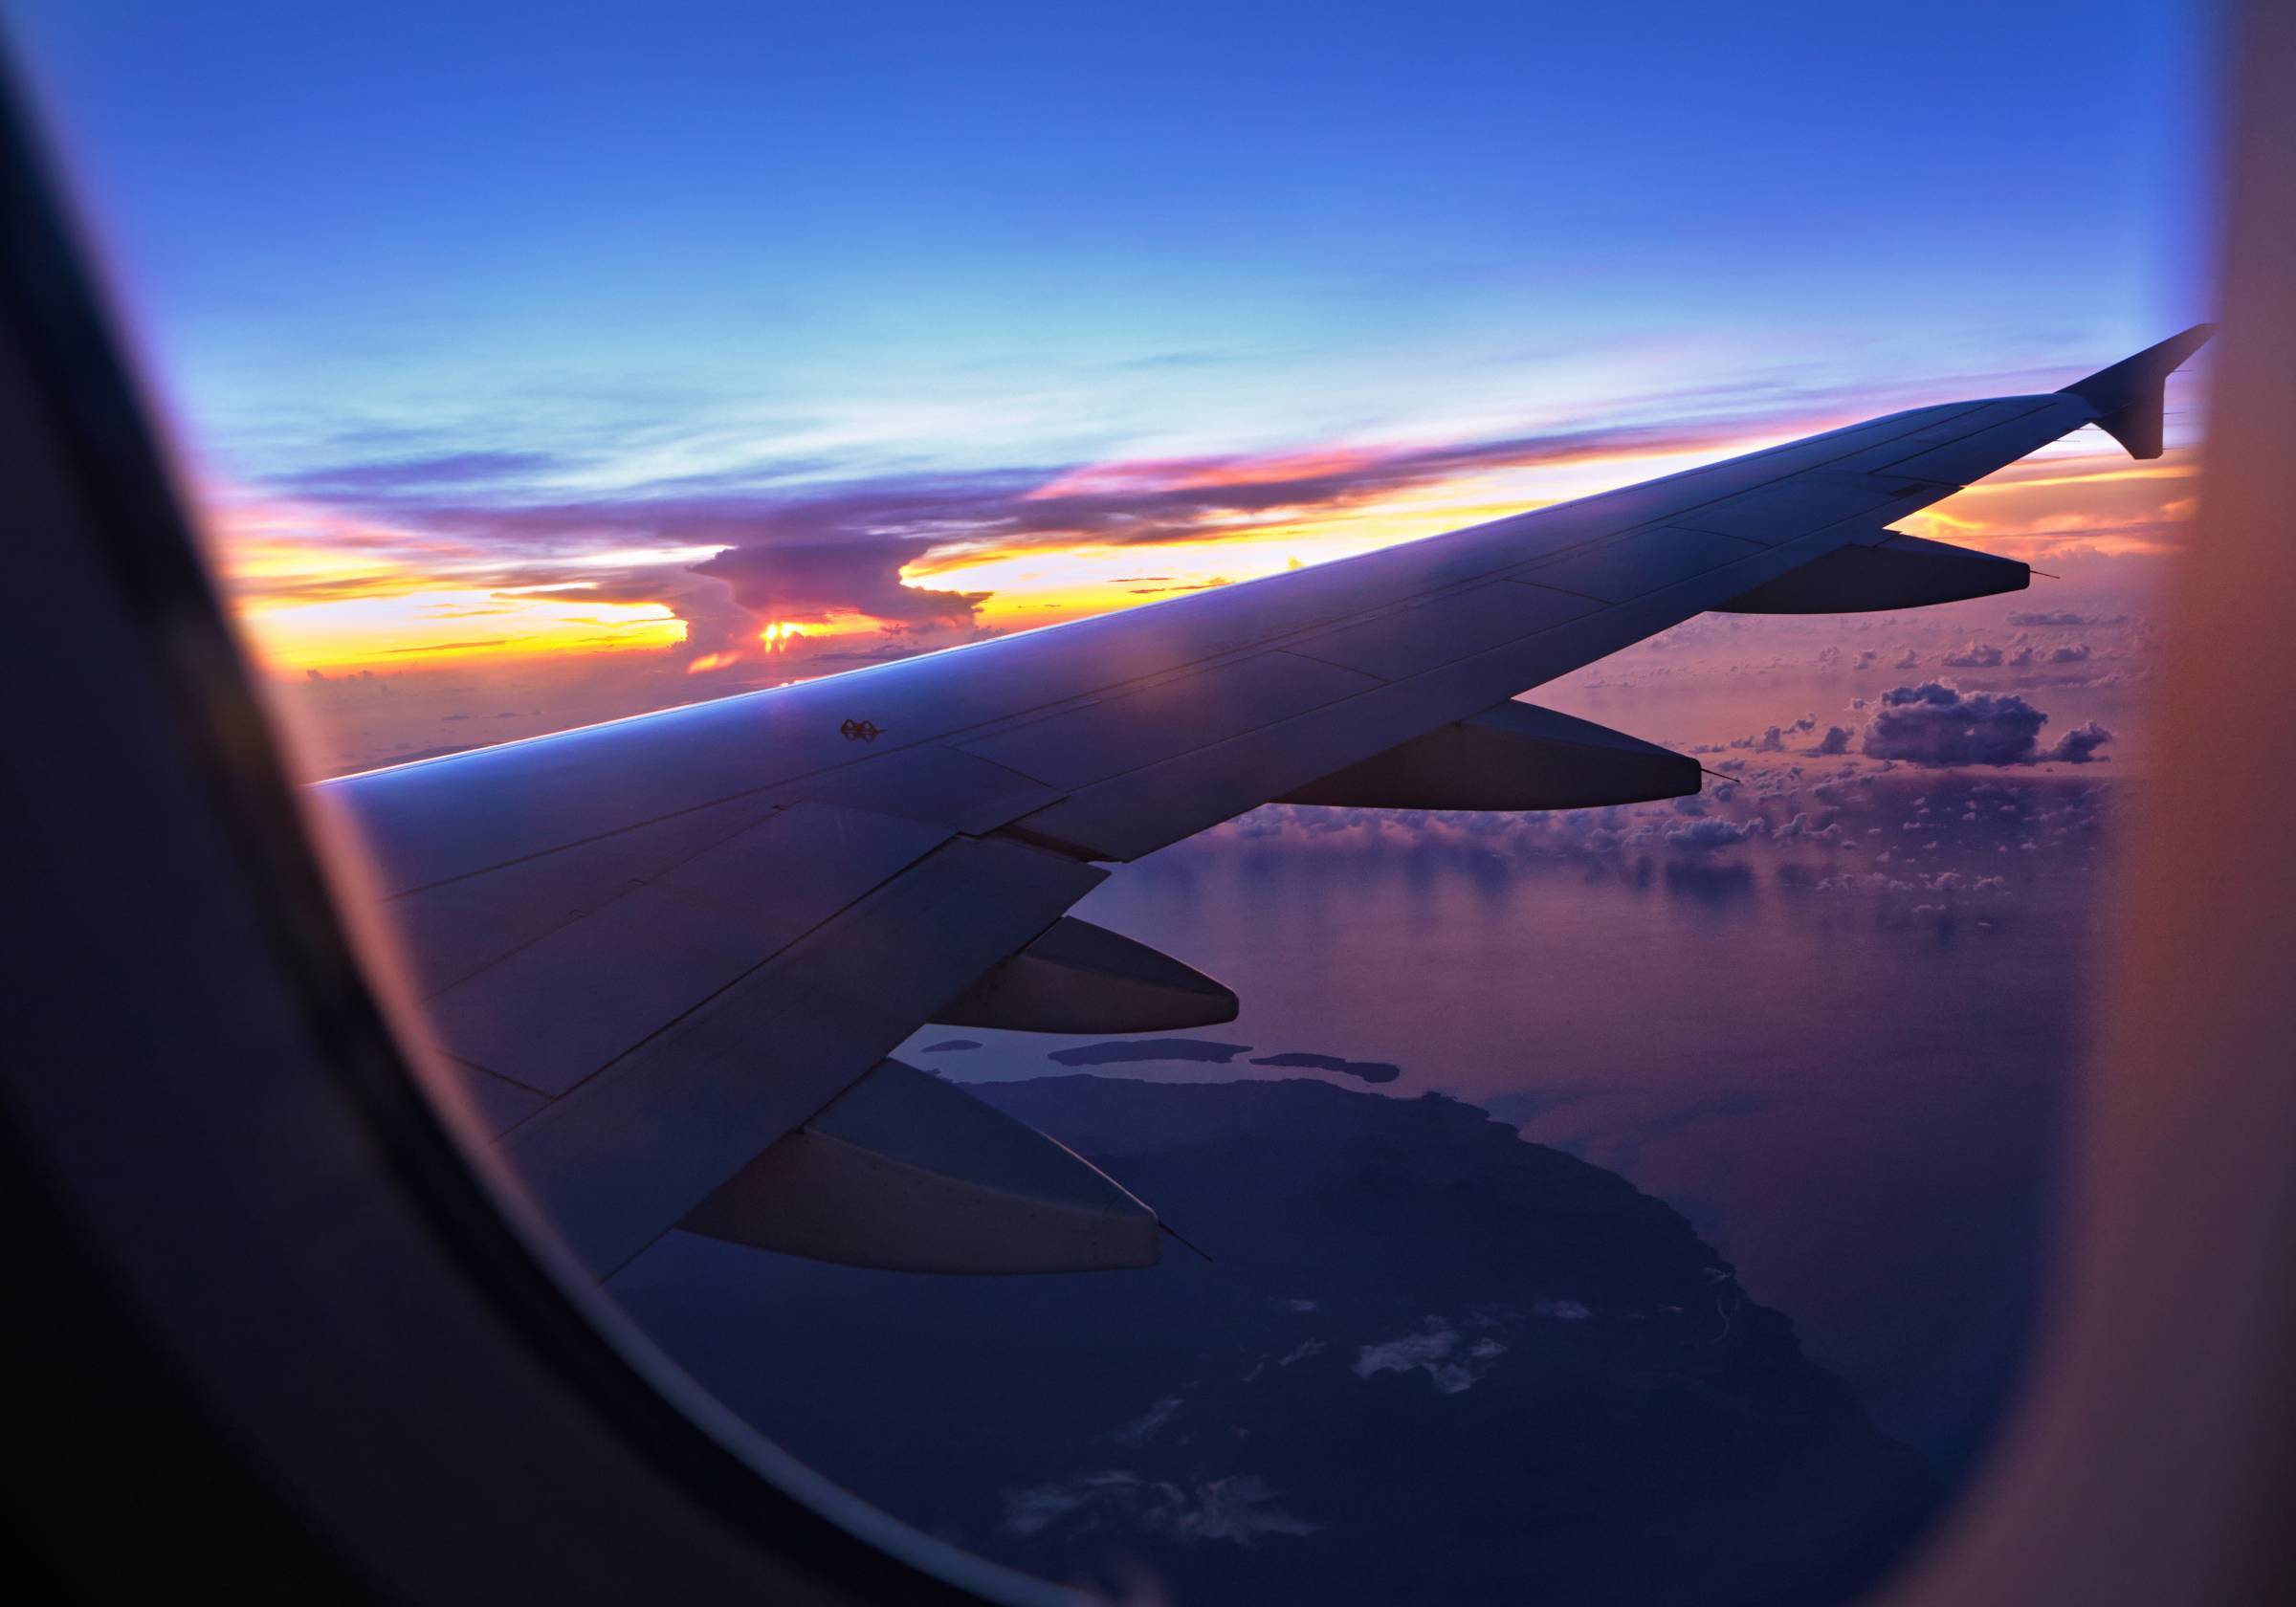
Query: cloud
(1239,1507)
(715,621)
(1126,1051)
(351,686)
(1975,655)
(2079,745)
(1436,1350)
(408,477)
(1703,836)
(859,574)
(1836,740)
(793,544)
(1370,1070)
(1937,723)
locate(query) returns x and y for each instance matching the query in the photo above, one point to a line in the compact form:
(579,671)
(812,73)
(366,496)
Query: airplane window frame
(194,775)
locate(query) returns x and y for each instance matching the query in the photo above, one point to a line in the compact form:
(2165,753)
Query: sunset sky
(596,365)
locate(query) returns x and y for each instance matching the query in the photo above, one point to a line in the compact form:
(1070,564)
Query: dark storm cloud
(1937,723)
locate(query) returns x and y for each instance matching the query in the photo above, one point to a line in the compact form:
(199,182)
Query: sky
(544,367)
(531,367)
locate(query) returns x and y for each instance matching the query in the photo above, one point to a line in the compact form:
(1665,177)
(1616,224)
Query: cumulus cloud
(1436,1349)
(2080,746)
(1975,655)
(1937,723)
(1702,836)
(350,686)
(1836,740)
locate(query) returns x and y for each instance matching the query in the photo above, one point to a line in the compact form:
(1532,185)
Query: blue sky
(481,325)
(1092,229)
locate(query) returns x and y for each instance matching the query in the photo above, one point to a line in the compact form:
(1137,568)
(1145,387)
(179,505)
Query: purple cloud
(2079,745)
(1937,723)
(857,574)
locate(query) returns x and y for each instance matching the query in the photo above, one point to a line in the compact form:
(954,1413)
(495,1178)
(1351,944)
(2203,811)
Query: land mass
(1428,1361)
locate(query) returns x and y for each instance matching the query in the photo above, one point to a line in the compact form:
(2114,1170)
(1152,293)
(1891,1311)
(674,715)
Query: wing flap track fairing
(910,1173)
(1898,572)
(1079,978)
(1513,756)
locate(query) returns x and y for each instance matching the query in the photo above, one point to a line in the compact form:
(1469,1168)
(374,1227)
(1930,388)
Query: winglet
(2128,395)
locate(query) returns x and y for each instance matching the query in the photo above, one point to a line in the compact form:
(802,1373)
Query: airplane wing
(667,956)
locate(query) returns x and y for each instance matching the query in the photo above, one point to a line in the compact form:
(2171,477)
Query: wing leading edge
(658,954)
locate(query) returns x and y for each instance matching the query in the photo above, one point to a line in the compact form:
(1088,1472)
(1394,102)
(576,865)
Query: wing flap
(648,948)
(452,929)
(620,1158)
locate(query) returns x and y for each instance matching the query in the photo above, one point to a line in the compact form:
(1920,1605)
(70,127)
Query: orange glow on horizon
(318,589)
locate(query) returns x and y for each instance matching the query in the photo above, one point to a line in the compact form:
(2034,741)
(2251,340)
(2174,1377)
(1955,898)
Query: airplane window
(1526,1064)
